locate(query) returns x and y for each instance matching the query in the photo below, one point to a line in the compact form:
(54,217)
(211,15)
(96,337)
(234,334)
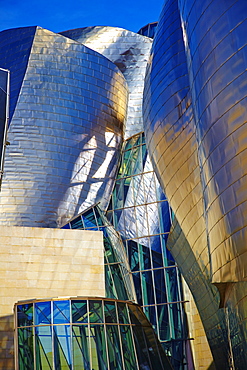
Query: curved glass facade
(141,214)
(85,334)
(119,283)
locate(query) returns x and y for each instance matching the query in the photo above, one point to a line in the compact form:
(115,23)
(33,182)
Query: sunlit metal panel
(4,115)
(66,129)
(130,52)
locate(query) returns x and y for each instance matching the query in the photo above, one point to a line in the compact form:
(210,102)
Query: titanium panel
(195,98)
(66,130)
(217,55)
(130,52)
(4,115)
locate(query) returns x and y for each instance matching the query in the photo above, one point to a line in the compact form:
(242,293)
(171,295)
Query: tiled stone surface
(42,263)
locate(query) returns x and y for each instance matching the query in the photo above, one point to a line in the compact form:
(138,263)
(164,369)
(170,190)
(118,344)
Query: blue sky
(61,15)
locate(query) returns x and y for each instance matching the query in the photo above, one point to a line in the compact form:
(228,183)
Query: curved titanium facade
(86,334)
(217,54)
(195,115)
(130,52)
(66,128)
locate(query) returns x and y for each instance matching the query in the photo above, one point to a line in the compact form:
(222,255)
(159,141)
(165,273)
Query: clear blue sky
(61,15)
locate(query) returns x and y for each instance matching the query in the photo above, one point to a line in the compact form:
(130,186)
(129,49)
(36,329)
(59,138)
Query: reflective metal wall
(4,115)
(66,128)
(130,52)
(85,334)
(217,55)
(195,123)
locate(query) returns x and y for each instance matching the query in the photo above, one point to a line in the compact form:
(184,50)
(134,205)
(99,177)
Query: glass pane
(80,347)
(98,347)
(160,287)
(141,348)
(130,360)
(89,220)
(138,287)
(79,311)
(77,223)
(109,285)
(122,313)
(98,216)
(157,259)
(25,349)
(43,350)
(95,311)
(163,322)
(25,314)
(147,287)
(144,255)
(110,312)
(62,347)
(42,313)
(113,342)
(119,282)
(133,255)
(61,312)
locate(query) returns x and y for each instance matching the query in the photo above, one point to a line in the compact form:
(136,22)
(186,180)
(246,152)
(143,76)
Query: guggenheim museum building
(123,205)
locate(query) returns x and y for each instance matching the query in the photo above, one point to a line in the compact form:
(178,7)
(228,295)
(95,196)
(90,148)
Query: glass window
(43,349)
(79,311)
(62,347)
(61,312)
(25,314)
(25,349)
(42,313)
(95,311)
(98,347)
(81,360)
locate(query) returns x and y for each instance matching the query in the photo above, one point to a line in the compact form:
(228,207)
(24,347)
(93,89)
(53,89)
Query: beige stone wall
(43,263)
(202,354)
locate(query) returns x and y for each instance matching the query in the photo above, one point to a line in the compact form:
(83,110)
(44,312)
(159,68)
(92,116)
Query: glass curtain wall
(140,212)
(86,334)
(119,282)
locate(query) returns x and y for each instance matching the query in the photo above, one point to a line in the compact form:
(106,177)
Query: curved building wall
(130,52)
(217,55)
(85,334)
(66,129)
(212,69)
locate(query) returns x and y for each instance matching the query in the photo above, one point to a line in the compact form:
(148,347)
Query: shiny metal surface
(4,115)
(130,52)
(216,50)
(195,122)
(66,128)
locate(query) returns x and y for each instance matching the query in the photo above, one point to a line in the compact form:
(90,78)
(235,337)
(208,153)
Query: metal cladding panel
(203,83)
(15,47)
(217,55)
(4,114)
(65,133)
(170,131)
(130,52)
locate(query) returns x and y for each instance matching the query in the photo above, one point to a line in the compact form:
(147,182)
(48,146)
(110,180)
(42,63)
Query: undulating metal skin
(215,39)
(66,129)
(130,52)
(195,115)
